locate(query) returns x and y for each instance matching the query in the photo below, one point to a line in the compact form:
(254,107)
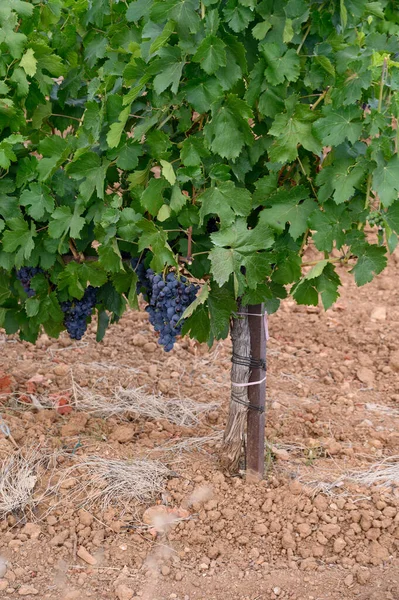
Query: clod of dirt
(75,425)
(123,433)
(366,376)
(123,592)
(379,313)
(394,361)
(86,556)
(32,530)
(27,590)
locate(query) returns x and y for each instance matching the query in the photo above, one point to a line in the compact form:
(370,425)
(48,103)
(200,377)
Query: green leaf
(211,54)
(64,221)
(169,69)
(223,264)
(168,172)
(92,170)
(371,262)
(221,305)
(193,151)
(340,180)
(110,257)
(102,325)
(38,201)
(54,150)
(226,200)
(291,131)
(152,198)
(156,240)
(261,29)
(29,63)
(164,213)
(239,237)
(19,237)
(329,224)
(392,217)
(136,10)
(296,215)
(202,94)
(324,62)
(338,126)
(386,180)
(200,299)
(257,268)
(163,38)
(115,132)
(198,325)
(280,67)
(229,131)
(177,200)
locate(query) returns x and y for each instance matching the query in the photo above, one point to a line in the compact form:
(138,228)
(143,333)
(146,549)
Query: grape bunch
(24,275)
(168,299)
(375,218)
(77,311)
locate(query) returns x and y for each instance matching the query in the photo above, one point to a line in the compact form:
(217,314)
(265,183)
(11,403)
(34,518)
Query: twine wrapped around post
(236,423)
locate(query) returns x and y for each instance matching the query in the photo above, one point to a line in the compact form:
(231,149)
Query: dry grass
(134,401)
(19,477)
(114,482)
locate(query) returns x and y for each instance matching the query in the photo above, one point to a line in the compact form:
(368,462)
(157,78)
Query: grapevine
(222,137)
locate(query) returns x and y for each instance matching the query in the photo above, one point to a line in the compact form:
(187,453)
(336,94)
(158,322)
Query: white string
(249,383)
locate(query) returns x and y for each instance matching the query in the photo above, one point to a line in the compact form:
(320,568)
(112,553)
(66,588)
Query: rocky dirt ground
(312,530)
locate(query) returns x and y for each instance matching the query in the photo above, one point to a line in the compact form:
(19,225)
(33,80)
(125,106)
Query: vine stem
(320,98)
(311,263)
(307,177)
(382,83)
(304,39)
(189,243)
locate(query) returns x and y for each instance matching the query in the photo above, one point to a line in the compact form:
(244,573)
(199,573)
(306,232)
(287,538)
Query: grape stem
(189,243)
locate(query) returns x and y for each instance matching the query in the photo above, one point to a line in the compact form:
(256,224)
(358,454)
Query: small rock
(75,425)
(123,433)
(27,590)
(366,376)
(379,313)
(3,585)
(295,488)
(139,340)
(152,371)
(276,591)
(32,530)
(378,553)
(72,595)
(69,483)
(86,556)
(363,576)
(348,581)
(260,529)
(339,545)
(85,517)
(123,592)
(287,541)
(394,361)
(60,538)
(150,347)
(165,570)
(61,370)
(280,453)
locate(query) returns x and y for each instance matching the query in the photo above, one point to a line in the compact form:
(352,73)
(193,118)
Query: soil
(304,533)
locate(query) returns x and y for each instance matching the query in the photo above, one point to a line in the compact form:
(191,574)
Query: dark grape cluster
(77,311)
(25,274)
(168,299)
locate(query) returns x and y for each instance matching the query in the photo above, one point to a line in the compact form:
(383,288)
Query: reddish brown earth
(333,394)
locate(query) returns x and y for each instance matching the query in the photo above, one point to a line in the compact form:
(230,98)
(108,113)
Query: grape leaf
(290,131)
(371,262)
(38,201)
(19,237)
(386,180)
(336,127)
(225,200)
(64,221)
(211,54)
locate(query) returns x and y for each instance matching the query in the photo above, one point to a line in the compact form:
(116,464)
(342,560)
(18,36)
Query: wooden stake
(256,397)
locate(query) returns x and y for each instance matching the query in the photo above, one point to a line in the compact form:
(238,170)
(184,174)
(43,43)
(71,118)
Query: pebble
(27,590)
(348,581)
(123,592)
(366,376)
(3,585)
(394,361)
(85,517)
(165,570)
(32,530)
(150,347)
(86,556)
(72,595)
(123,433)
(379,313)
